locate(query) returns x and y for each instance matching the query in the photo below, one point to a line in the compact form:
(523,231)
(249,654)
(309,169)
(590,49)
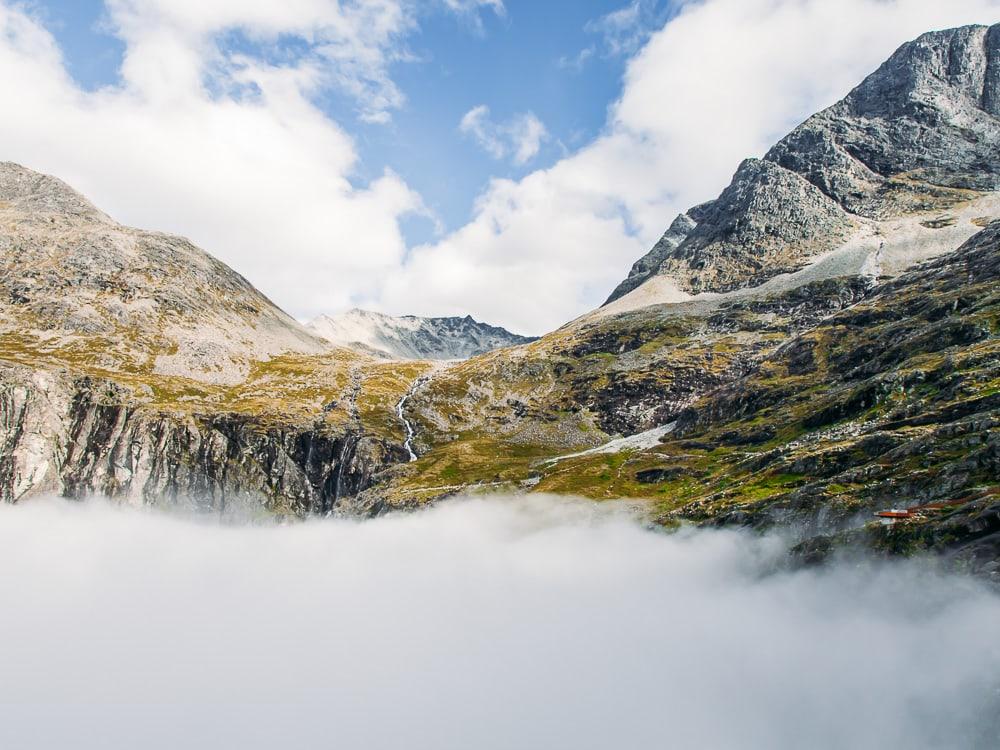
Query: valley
(819,343)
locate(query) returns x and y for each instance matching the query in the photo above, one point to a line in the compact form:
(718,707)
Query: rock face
(77,436)
(410,337)
(928,115)
(920,133)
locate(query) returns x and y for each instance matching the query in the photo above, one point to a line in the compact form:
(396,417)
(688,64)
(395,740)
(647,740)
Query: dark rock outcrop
(80,436)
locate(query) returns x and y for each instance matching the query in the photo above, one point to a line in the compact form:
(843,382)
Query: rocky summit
(919,134)
(817,345)
(73,280)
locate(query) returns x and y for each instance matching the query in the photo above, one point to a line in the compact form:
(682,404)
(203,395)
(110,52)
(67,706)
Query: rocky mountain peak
(124,298)
(957,69)
(928,115)
(920,134)
(35,193)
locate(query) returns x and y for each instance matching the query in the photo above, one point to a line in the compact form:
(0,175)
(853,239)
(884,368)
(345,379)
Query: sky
(508,159)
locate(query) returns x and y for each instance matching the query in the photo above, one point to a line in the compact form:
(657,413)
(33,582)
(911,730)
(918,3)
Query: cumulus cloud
(520,138)
(721,81)
(478,624)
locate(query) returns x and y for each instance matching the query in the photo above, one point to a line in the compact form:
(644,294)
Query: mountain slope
(134,365)
(807,410)
(73,279)
(830,375)
(410,337)
(920,134)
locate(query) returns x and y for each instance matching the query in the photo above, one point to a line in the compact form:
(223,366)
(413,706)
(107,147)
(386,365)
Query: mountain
(410,337)
(135,365)
(818,344)
(73,279)
(918,135)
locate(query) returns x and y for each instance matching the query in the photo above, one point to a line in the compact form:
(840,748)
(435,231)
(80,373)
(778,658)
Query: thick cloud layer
(479,624)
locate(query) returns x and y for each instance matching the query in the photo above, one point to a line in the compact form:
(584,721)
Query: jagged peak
(413,337)
(940,69)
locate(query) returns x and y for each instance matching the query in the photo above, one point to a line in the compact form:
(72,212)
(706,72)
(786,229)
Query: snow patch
(639,442)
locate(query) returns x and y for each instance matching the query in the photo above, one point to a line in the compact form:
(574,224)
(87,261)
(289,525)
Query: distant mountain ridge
(412,337)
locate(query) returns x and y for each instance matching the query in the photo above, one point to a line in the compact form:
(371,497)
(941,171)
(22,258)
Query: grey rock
(412,337)
(768,221)
(927,115)
(920,133)
(648,265)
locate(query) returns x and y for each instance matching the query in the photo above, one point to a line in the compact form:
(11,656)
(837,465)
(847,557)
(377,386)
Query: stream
(407,425)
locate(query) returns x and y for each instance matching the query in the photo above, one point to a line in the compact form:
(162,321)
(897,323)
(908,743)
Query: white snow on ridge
(411,337)
(877,249)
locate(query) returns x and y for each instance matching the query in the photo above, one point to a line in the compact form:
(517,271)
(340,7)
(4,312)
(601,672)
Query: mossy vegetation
(287,389)
(873,406)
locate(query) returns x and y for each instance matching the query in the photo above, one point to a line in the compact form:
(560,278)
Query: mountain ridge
(411,336)
(71,276)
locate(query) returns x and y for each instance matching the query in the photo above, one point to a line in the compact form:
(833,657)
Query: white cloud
(624,30)
(508,623)
(471,9)
(476,123)
(576,62)
(621,32)
(351,45)
(719,82)
(520,138)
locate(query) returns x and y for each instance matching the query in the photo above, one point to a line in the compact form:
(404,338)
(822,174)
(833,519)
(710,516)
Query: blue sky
(553,59)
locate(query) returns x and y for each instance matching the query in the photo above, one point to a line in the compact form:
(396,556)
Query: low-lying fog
(512,624)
